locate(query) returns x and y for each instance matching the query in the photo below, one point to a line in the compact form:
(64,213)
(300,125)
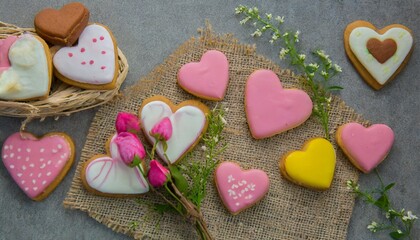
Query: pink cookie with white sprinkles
(38,165)
(240,189)
(92,63)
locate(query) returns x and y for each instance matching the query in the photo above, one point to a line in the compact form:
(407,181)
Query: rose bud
(129,147)
(158,175)
(162,131)
(127,122)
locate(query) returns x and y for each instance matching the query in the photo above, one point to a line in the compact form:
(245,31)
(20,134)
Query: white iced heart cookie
(378,55)
(188,119)
(25,68)
(110,176)
(92,63)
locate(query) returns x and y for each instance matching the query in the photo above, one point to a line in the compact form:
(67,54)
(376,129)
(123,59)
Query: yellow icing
(358,34)
(314,165)
(401,35)
(395,58)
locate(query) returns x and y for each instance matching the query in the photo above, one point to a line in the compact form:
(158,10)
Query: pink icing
(34,164)
(112,175)
(4,52)
(270,109)
(240,189)
(367,146)
(207,78)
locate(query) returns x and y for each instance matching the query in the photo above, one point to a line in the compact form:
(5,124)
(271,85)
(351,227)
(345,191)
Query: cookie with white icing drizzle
(188,119)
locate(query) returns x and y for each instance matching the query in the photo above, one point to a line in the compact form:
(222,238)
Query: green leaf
(389,187)
(164,146)
(396,235)
(180,182)
(382,202)
(333,88)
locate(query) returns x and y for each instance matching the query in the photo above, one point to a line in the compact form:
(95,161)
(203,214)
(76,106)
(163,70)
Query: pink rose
(162,130)
(127,122)
(158,175)
(129,146)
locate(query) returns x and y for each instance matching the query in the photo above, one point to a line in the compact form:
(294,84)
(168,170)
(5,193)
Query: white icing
(28,75)
(187,124)
(112,175)
(381,72)
(68,60)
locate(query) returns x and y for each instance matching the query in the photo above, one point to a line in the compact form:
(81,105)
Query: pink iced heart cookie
(208,78)
(366,148)
(188,120)
(38,165)
(240,189)
(92,64)
(108,175)
(270,109)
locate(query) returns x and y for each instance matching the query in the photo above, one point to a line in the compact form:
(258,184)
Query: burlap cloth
(287,212)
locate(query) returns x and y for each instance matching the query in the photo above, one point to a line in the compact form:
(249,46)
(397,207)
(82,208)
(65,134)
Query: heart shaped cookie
(208,78)
(366,148)
(188,119)
(25,68)
(38,165)
(63,26)
(108,175)
(92,63)
(378,54)
(240,189)
(312,167)
(270,109)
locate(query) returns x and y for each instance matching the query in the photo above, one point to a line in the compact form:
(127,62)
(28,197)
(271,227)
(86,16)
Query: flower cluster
(400,222)
(316,74)
(179,195)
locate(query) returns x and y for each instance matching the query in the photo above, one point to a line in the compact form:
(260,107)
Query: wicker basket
(63,99)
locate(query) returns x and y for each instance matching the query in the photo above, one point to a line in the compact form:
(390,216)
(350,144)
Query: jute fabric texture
(287,212)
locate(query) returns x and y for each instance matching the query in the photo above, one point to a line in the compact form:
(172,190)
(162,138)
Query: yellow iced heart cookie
(312,167)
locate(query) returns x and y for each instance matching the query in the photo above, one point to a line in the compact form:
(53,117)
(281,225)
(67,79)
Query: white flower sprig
(400,222)
(316,75)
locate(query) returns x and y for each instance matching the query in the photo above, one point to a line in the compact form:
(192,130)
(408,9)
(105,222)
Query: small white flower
(285,34)
(410,216)
(257,33)
(238,10)
(324,73)
(301,57)
(388,215)
(321,54)
(280,19)
(329,63)
(399,231)
(373,226)
(337,68)
(314,66)
(216,139)
(271,41)
(269,16)
(283,53)
(223,120)
(226,109)
(204,148)
(275,36)
(243,21)
(349,184)
(311,75)
(255,24)
(296,36)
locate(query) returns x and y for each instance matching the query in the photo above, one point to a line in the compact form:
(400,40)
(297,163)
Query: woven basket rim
(63,99)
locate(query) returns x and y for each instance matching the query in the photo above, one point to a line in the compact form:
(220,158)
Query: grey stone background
(148,31)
